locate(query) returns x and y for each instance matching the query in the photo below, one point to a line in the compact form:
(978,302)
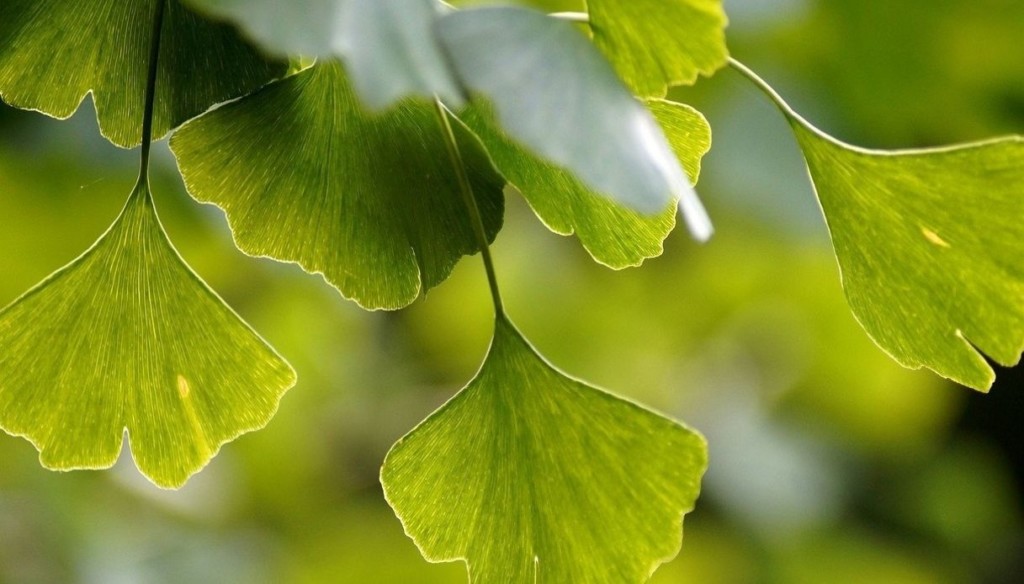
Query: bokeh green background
(829,463)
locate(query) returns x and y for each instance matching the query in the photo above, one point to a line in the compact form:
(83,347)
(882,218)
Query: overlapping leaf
(554,93)
(388,46)
(531,476)
(128,339)
(369,200)
(654,44)
(53,52)
(930,244)
(615,235)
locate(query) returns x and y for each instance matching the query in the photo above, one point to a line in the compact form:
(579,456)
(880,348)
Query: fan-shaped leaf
(930,244)
(531,476)
(554,93)
(128,339)
(615,235)
(53,52)
(657,43)
(371,201)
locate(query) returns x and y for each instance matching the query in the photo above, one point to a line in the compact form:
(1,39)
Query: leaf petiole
(787,111)
(147,114)
(471,206)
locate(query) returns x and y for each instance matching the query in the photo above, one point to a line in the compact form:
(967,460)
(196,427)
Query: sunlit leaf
(127,339)
(531,476)
(615,235)
(389,46)
(53,52)
(654,44)
(930,245)
(369,200)
(554,93)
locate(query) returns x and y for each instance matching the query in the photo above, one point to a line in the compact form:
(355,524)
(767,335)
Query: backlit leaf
(654,44)
(531,476)
(369,200)
(53,52)
(127,339)
(389,46)
(554,93)
(930,245)
(615,235)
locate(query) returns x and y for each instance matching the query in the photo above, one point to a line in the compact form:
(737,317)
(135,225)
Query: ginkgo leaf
(531,476)
(615,235)
(371,201)
(127,339)
(389,46)
(929,244)
(554,93)
(654,44)
(53,52)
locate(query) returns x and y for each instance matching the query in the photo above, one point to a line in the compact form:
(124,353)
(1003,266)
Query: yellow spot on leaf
(183,388)
(933,237)
(202,443)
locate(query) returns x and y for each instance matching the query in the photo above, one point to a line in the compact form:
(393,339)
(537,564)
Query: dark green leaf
(53,52)
(370,201)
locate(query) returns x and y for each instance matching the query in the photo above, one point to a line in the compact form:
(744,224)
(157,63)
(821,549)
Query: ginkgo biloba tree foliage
(374,142)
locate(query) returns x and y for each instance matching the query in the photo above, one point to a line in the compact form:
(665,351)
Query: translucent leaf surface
(368,200)
(554,93)
(531,476)
(615,235)
(930,245)
(389,46)
(657,43)
(53,52)
(128,339)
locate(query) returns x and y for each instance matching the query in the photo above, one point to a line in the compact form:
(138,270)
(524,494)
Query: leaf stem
(470,200)
(147,112)
(773,95)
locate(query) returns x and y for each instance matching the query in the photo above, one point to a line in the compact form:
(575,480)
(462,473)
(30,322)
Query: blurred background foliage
(829,463)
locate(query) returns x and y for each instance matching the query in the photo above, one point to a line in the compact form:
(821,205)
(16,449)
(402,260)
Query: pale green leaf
(531,476)
(654,44)
(127,339)
(371,201)
(615,235)
(929,244)
(389,46)
(554,93)
(53,52)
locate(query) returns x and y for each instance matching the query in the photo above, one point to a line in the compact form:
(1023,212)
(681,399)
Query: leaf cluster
(374,142)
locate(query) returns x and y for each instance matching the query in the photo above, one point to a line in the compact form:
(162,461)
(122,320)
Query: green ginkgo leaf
(930,245)
(654,44)
(128,340)
(389,46)
(531,476)
(368,200)
(615,235)
(555,94)
(54,52)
